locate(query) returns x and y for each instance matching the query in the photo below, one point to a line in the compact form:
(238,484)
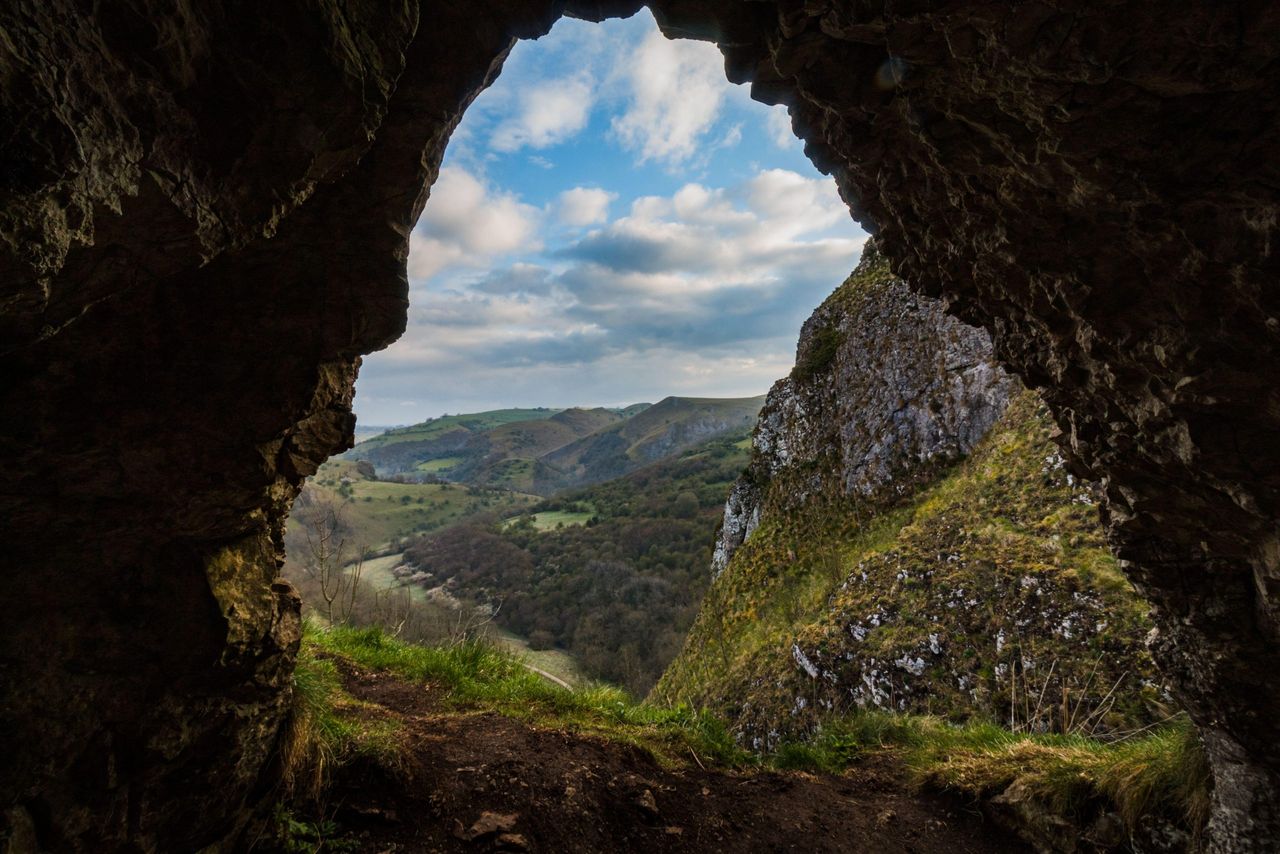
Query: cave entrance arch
(1092,185)
(679,272)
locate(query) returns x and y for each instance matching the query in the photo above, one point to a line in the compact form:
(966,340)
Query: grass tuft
(322,733)
(1163,772)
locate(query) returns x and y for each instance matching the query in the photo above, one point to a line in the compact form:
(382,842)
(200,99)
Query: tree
(326,558)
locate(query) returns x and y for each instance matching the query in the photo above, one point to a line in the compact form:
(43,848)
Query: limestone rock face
(887,390)
(904,491)
(204,213)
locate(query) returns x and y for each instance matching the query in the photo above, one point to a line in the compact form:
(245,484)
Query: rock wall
(182,317)
(887,390)
(907,508)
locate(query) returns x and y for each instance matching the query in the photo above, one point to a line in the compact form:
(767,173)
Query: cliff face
(887,389)
(203,223)
(906,537)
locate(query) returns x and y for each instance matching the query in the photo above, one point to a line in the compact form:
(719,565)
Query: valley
(590,581)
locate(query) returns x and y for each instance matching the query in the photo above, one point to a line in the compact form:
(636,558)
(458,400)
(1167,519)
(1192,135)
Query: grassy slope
(509,460)
(1000,538)
(380,512)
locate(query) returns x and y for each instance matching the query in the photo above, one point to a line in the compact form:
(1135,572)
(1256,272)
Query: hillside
(435,428)
(545,451)
(500,448)
(906,538)
(668,427)
(612,572)
(378,512)
(508,456)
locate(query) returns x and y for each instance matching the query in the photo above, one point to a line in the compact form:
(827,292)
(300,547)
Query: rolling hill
(655,433)
(508,455)
(543,450)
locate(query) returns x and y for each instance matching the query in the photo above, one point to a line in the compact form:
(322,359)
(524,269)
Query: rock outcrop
(887,390)
(203,223)
(907,538)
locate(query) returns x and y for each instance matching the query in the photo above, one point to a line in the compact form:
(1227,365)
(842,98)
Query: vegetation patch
(820,353)
(549,520)
(612,573)
(325,728)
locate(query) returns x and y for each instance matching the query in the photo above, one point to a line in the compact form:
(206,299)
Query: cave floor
(486,782)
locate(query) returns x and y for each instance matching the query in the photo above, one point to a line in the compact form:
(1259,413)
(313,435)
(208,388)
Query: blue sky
(614,222)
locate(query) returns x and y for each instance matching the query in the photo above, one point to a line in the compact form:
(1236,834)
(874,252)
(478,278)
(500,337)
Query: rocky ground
(486,782)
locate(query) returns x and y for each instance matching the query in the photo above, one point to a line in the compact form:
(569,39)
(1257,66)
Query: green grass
(322,733)
(379,512)
(549,520)
(438,465)
(1163,772)
(479,674)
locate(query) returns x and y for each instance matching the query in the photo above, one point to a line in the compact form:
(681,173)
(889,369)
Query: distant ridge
(542,450)
(655,433)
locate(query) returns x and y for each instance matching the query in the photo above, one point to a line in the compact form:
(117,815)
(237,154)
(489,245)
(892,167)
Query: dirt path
(484,782)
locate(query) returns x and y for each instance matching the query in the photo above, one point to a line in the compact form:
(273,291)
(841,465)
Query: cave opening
(614,226)
(183,324)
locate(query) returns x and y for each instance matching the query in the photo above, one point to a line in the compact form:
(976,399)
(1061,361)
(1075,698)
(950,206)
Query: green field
(380,512)
(557,662)
(549,520)
(436,466)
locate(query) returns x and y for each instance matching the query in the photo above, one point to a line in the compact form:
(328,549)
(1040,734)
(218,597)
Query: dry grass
(1163,772)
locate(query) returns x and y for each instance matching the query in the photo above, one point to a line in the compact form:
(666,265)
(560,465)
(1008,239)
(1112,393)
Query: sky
(614,222)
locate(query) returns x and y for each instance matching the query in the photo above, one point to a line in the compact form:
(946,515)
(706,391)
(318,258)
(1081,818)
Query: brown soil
(482,782)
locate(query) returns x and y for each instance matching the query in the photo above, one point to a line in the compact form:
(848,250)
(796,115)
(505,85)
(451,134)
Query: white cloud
(551,111)
(584,206)
(795,204)
(778,125)
(732,137)
(676,92)
(465,222)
